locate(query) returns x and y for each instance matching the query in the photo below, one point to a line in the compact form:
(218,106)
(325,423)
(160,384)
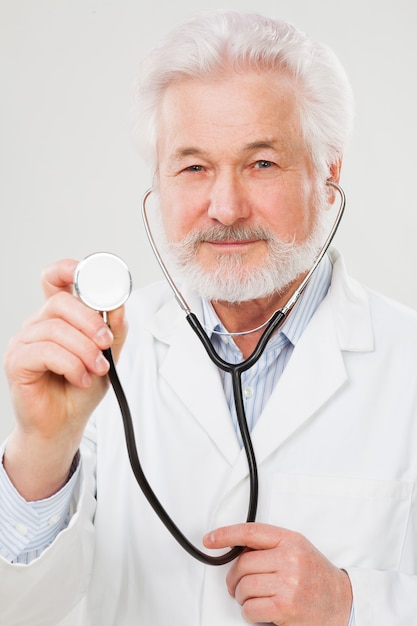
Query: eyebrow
(250,147)
(191,151)
(261,145)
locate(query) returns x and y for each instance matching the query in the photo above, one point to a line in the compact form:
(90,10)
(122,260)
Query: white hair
(215,43)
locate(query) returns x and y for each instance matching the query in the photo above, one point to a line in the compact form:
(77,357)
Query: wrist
(38,468)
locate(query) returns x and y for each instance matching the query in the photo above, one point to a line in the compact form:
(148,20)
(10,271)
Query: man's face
(233,167)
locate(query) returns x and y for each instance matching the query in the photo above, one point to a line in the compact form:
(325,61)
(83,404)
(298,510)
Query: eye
(263,164)
(194,168)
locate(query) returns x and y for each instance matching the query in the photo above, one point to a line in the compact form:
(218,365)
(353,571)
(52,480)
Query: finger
(58,277)
(245,569)
(251,535)
(255,586)
(72,311)
(261,610)
(42,357)
(70,339)
(258,597)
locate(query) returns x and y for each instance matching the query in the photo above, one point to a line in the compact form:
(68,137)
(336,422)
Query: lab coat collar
(351,309)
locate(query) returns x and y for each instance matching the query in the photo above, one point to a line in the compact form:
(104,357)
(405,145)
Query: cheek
(289,215)
(300,212)
(181,213)
(169,223)
(177,220)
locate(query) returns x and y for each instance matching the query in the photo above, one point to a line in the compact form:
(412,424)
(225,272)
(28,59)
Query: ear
(335,170)
(334,175)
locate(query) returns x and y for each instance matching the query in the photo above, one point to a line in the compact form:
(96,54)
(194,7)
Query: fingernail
(104,337)
(102,365)
(209,538)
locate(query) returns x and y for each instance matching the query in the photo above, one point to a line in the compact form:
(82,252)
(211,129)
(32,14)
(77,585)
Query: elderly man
(246,121)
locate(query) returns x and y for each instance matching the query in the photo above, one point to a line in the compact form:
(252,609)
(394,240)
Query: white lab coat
(337,453)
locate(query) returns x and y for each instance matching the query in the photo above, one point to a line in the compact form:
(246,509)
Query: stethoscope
(103,281)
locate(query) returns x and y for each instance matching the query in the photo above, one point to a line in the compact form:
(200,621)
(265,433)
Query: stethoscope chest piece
(103,281)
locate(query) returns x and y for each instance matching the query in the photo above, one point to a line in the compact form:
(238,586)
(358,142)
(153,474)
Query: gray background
(71,180)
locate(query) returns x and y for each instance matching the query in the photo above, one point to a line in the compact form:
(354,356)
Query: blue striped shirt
(259,381)
(27,528)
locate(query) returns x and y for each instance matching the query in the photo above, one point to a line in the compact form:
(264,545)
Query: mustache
(228,233)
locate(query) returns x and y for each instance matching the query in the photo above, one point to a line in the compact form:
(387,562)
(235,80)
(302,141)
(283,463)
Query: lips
(231,244)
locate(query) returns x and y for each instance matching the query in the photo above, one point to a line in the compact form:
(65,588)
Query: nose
(228,201)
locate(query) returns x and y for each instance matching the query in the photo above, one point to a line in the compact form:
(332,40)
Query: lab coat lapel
(193,377)
(316,369)
(314,373)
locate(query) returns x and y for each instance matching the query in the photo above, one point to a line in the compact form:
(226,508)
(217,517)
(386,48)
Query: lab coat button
(21,529)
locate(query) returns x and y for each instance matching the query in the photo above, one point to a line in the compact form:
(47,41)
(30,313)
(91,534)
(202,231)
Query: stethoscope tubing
(145,485)
(235,370)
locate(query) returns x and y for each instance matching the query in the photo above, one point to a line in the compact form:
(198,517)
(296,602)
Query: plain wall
(71,180)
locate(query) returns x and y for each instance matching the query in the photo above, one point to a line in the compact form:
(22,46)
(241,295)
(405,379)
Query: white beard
(234,281)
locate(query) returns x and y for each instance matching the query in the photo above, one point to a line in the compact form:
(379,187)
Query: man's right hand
(57,376)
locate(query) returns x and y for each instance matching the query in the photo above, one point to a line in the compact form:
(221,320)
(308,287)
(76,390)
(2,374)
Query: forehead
(238,108)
